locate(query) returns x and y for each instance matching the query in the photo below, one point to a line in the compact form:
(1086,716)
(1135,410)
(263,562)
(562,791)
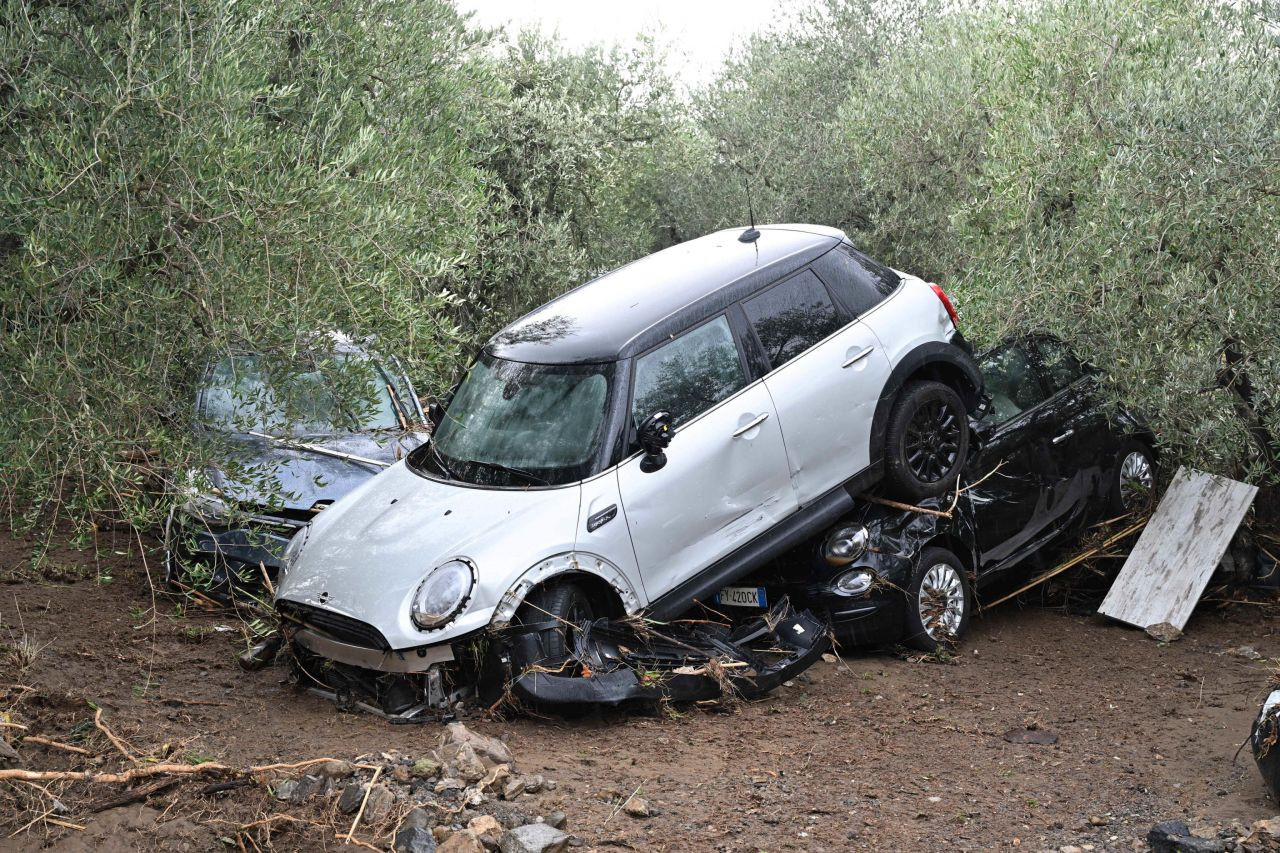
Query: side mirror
(654,436)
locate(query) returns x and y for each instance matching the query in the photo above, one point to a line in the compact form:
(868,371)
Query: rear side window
(1059,365)
(856,279)
(688,375)
(790,317)
(1012,382)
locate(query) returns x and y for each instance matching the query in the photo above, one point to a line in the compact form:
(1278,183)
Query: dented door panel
(725,482)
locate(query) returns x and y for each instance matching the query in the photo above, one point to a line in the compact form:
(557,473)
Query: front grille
(339,627)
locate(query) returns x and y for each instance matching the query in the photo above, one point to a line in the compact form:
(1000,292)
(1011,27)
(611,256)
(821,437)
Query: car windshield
(519,425)
(337,394)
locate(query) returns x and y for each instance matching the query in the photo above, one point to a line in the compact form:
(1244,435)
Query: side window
(856,279)
(688,375)
(791,317)
(1058,364)
(1012,382)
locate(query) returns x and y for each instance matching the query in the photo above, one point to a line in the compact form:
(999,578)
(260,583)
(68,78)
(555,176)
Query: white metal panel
(826,400)
(717,491)
(1168,569)
(611,539)
(912,316)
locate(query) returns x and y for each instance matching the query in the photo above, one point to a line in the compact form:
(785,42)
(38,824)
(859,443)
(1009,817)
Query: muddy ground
(876,751)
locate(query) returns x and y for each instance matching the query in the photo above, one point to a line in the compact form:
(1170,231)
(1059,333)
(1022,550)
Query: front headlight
(206,506)
(442,594)
(845,544)
(292,550)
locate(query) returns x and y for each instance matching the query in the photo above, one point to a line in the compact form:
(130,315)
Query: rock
(284,790)
(1163,632)
(513,788)
(425,768)
(487,748)
(449,784)
(9,755)
(533,784)
(462,760)
(637,807)
(351,797)
(461,842)
(1097,821)
(1038,736)
(827,657)
(533,838)
(496,779)
(1173,836)
(556,819)
(306,788)
(400,774)
(414,835)
(487,829)
(379,804)
(1247,652)
(334,769)
(1070,848)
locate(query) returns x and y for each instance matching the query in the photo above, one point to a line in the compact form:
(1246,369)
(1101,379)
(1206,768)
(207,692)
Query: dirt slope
(873,752)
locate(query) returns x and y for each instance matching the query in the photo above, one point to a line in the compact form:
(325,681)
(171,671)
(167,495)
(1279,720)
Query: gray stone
(533,784)
(306,788)
(381,799)
(425,768)
(557,819)
(1163,632)
(284,789)
(489,748)
(351,797)
(334,769)
(414,835)
(534,838)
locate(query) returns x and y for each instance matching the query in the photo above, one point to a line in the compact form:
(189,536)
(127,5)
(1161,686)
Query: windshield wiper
(507,469)
(439,457)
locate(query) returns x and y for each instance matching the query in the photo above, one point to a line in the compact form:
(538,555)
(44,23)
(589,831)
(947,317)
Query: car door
(826,373)
(725,480)
(1082,442)
(1014,475)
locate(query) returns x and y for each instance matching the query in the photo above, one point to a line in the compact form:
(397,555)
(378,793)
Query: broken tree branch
(1074,561)
(115,741)
(44,741)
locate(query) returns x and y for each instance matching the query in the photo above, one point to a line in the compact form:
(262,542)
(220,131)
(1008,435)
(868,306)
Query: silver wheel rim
(941,602)
(1136,478)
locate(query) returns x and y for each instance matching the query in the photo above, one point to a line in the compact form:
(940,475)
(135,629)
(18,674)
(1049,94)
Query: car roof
(632,308)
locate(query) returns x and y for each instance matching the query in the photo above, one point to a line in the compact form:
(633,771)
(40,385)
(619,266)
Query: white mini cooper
(637,444)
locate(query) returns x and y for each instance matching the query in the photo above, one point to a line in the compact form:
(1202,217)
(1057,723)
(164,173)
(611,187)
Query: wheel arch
(937,361)
(603,581)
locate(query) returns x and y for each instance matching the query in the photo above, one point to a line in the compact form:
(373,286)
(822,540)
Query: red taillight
(946,303)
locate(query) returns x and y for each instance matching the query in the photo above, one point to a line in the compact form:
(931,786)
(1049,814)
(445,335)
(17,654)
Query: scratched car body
(274,467)
(786,371)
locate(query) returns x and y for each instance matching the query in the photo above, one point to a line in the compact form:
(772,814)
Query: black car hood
(255,471)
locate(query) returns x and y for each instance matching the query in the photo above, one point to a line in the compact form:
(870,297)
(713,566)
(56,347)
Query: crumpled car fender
(579,562)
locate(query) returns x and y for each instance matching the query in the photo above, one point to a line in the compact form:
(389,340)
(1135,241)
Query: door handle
(1061,438)
(759,419)
(858,356)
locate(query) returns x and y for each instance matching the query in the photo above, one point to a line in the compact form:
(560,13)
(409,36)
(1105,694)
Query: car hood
(260,472)
(365,556)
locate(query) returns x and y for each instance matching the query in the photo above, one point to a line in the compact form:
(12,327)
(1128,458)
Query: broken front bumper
(629,660)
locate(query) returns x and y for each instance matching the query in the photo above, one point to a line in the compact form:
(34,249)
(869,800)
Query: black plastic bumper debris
(618,661)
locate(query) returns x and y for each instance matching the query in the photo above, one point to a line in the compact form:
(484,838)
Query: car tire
(926,441)
(938,602)
(567,605)
(1133,478)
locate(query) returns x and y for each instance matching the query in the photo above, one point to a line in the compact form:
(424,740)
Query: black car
(1050,459)
(284,444)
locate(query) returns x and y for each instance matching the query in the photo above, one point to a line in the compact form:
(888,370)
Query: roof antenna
(751,234)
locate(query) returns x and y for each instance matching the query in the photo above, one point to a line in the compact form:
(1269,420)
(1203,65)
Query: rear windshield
(513,424)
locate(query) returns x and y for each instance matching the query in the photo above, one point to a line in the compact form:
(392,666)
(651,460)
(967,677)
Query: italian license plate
(742,596)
